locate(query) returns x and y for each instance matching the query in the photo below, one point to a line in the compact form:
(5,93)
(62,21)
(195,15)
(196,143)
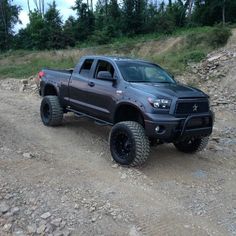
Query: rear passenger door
(78,86)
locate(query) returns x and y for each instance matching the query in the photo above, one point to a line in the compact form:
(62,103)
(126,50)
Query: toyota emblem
(195,107)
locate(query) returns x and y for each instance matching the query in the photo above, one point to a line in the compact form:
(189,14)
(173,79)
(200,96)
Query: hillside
(172,52)
(216,75)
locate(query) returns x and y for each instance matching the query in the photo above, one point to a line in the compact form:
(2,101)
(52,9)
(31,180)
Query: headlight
(160,103)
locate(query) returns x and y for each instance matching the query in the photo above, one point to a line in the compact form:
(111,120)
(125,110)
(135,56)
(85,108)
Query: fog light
(157,129)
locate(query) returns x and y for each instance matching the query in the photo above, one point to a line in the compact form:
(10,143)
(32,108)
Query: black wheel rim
(190,141)
(46,112)
(122,145)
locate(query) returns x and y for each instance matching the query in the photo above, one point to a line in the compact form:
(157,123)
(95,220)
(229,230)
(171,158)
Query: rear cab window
(86,67)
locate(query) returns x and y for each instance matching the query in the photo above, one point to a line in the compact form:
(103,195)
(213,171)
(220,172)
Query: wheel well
(49,90)
(128,113)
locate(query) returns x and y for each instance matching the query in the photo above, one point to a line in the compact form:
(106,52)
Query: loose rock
(41,229)
(4,207)
(27,155)
(45,215)
(15,210)
(7,227)
(56,222)
(32,228)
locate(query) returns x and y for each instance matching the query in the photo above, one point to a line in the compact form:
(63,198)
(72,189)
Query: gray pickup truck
(140,100)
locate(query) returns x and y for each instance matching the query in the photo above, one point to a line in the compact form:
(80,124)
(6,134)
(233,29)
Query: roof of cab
(114,58)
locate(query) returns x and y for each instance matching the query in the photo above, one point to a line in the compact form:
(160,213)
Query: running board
(100,123)
(96,120)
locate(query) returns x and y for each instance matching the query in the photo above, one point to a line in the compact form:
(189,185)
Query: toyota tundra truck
(142,102)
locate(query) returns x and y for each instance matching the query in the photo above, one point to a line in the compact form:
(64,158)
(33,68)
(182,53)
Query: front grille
(199,122)
(191,107)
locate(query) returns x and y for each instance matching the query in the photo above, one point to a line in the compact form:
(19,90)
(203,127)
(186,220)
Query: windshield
(143,72)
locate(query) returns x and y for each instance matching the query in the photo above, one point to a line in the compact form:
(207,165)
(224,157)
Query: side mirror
(105,75)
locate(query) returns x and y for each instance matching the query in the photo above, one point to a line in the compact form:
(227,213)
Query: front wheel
(192,144)
(128,143)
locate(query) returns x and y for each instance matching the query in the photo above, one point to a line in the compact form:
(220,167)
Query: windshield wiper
(153,82)
(142,81)
(165,82)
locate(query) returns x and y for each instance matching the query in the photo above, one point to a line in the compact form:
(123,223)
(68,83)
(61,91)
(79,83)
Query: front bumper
(173,128)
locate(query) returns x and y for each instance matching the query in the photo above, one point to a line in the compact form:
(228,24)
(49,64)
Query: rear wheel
(129,144)
(51,111)
(192,145)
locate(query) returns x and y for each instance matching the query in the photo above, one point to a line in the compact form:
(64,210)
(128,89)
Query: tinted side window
(104,66)
(86,67)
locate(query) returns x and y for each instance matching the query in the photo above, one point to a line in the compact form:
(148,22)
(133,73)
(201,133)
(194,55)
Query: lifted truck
(142,101)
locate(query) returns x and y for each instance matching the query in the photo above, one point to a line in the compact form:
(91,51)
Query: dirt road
(61,181)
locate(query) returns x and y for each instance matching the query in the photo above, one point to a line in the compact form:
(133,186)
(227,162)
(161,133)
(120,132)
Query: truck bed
(66,71)
(58,75)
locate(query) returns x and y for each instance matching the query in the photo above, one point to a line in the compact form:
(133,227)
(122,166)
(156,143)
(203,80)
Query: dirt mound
(157,47)
(232,40)
(29,85)
(216,75)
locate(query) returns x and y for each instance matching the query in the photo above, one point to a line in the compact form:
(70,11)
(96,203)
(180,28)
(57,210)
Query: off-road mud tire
(129,135)
(51,111)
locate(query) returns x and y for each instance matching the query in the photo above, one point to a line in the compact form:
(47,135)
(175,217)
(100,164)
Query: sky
(63,5)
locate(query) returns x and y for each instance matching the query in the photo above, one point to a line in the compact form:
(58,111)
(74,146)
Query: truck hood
(169,89)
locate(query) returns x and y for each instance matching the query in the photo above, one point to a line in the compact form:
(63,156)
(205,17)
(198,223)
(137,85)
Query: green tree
(210,12)
(107,21)
(69,31)
(160,19)
(35,30)
(8,18)
(179,13)
(53,28)
(43,31)
(100,15)
(85,22)
(39,6)
(114,18)
(134,16)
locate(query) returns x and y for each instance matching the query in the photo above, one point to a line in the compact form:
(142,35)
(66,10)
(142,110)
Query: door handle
(91,84)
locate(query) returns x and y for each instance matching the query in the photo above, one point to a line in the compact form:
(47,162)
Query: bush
(164,25)
(216,37)
(219,36)
(194,39)
(100,37)
(193,56)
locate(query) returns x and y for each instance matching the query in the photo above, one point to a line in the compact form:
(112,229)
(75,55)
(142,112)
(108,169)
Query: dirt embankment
(61,181)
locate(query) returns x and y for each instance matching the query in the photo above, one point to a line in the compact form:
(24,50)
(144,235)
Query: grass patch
(32,67)
(19,66)
(176,62)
